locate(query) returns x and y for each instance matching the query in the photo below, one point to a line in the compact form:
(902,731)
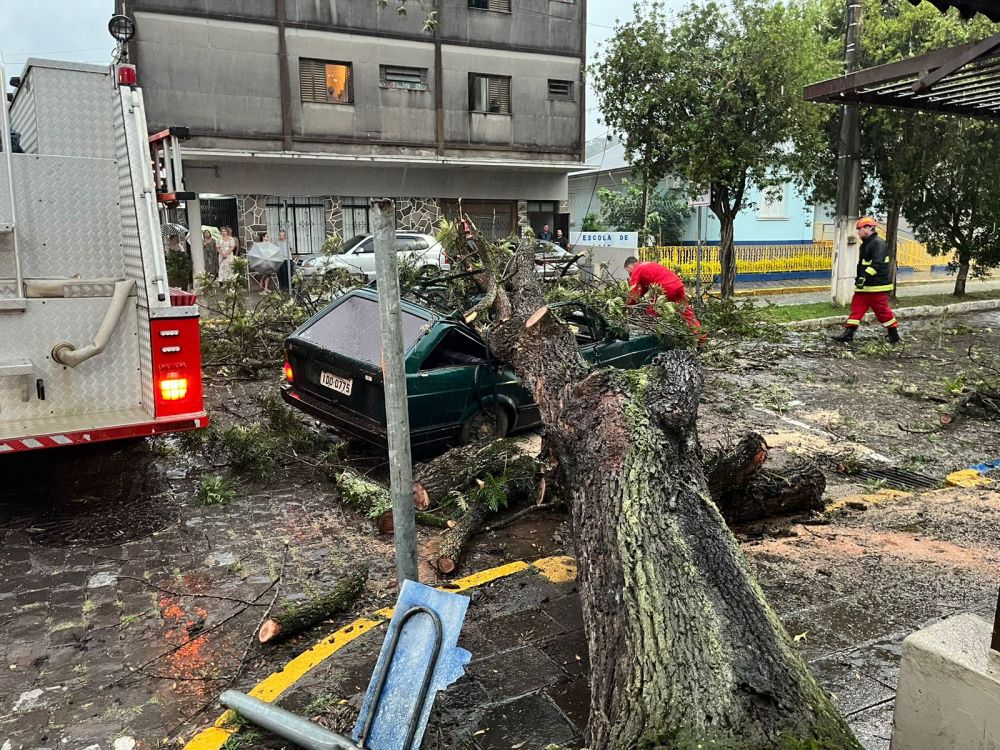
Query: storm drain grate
(899,479)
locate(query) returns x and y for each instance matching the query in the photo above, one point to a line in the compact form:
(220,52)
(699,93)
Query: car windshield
(351,329)
(355,240)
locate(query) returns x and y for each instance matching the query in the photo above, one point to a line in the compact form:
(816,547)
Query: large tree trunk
(727,254)
(963,273)
(683,646)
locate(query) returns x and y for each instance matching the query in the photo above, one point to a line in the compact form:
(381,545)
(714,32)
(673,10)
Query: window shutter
(350,84)
(499,89)
(560,89)
(312,80)
(500,5)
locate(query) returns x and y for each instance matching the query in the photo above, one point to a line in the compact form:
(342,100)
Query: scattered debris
(294,617)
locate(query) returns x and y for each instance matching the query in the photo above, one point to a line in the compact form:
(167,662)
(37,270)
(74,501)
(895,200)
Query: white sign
(604,239)
(701,200)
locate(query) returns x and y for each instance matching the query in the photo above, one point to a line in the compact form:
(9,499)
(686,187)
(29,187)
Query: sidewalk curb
(921,311)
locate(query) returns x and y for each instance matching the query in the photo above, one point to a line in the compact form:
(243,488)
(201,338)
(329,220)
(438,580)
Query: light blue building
(782,216)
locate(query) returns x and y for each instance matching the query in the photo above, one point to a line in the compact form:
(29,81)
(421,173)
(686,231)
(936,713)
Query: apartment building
(300,111)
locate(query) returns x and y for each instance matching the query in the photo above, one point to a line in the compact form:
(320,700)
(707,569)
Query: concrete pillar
(195,238)
(948,697)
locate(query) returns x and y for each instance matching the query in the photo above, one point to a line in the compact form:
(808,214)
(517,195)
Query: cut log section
(454,540)
(294,617)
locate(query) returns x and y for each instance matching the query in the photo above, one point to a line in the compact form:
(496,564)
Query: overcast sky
(77,30)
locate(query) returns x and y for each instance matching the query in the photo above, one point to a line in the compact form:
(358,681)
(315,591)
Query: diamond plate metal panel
(72,113)
(110,381)
(22,116)
(8,290)
(68,219)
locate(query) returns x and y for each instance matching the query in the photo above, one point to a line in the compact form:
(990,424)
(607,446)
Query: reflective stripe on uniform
(889,323)
(852,322)
(870,271)
(882,288)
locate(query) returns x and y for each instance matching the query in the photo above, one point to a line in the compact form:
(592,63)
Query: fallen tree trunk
(294,617)
(773,493)
(370,497)
(684,649)
(728,469)
(457,469)
(453,541)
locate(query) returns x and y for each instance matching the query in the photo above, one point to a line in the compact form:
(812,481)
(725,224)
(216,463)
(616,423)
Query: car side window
(368,246)
(455,349)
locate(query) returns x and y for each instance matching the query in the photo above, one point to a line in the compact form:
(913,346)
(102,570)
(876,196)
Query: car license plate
(337,383)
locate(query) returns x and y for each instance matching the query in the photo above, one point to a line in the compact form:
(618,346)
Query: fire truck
(94,345)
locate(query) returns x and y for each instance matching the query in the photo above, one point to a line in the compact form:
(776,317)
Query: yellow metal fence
(815,256)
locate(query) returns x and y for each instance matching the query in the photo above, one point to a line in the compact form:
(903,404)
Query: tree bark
(771,493)
(727,255)
(683,646)
(453,541)
(963,273)
(732,469)
(294,617)
(456,469)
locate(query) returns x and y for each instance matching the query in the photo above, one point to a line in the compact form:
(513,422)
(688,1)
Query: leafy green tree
(665,212)
(957,206)
(592,223)
(715,99)
(895,144)
(626,80)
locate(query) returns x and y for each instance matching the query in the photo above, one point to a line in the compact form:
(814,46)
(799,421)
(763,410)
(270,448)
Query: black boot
(894,335)
(847,336)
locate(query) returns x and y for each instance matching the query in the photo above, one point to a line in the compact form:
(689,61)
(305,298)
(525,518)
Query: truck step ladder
(11,300)
(168,171)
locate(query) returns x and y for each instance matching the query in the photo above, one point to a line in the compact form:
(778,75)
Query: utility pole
(397,415)
(845,240)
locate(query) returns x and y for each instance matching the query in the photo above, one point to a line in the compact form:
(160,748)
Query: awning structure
(963,80)
(968,8)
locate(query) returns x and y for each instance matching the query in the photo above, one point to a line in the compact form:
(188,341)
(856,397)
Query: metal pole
(284,723)
(397,417)
(845,241)
(196,240)
(697,272)
(9,157)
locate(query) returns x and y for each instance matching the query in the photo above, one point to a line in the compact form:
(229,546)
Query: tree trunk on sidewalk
(727,255)
(683,646)
(963,273)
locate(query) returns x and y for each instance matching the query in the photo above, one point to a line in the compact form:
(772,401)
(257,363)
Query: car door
(610,349)
(362,257)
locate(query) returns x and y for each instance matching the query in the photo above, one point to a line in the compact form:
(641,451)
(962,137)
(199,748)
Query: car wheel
(484,426)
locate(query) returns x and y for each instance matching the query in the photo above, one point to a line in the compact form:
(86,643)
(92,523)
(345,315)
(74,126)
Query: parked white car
(358,258)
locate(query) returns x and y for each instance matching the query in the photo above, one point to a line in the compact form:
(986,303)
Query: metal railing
(8,147)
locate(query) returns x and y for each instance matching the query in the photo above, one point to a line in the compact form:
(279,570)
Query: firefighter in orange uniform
(653,277)
(872,285)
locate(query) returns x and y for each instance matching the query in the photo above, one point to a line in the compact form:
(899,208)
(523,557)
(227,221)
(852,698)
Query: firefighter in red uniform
(650,275)
(873,284)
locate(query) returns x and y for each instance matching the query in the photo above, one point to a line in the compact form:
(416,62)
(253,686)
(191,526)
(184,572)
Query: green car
(333,371)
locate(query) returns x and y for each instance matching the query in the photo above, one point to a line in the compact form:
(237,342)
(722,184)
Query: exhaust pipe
(69,355)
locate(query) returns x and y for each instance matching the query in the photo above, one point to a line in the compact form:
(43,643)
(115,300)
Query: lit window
(326,82)
(489,94)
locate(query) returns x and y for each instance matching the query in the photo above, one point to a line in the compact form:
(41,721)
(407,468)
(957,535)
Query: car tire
(484,426)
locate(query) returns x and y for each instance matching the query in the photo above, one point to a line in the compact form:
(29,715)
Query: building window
(326,82)
(354,212)
(398,77)
(501,6)
(560,90)
(772,203)
(489,94)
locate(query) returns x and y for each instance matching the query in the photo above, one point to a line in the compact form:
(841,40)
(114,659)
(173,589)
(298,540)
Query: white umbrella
(265,257)
(174,230)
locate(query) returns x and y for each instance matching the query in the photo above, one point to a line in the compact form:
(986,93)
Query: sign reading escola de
(605,239)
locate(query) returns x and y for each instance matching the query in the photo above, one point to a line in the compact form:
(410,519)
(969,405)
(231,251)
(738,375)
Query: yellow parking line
(272,686)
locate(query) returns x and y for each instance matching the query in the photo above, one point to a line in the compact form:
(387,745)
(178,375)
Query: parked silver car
(552,262)
(358,257)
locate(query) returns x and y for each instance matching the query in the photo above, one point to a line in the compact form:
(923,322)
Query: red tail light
(177,387)
(289,374)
